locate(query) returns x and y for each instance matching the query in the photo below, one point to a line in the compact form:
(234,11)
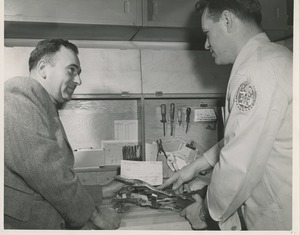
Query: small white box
(89,158)
(204,115)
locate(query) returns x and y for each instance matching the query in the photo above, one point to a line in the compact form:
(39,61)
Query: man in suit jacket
(41,190)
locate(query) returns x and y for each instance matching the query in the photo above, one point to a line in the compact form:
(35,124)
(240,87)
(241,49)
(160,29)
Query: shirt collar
(248,48)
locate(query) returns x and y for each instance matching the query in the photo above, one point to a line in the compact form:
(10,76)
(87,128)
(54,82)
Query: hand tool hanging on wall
(179,116)
(188,116)
(163,117)
(172,114)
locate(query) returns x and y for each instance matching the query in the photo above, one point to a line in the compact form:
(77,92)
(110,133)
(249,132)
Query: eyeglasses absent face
(218,40)
(63,75)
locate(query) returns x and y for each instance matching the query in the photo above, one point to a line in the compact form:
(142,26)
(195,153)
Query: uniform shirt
(253,166)
(41,190)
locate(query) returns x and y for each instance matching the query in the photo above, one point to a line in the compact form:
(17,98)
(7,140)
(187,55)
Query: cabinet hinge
(158,93)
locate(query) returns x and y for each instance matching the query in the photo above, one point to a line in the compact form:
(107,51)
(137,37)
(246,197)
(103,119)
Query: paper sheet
(151,172)
(151,152)
(126,129)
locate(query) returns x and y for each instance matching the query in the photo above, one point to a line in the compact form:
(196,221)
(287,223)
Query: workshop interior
(151,99)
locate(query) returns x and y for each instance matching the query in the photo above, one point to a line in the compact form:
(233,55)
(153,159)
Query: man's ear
(227,19)
(41,67)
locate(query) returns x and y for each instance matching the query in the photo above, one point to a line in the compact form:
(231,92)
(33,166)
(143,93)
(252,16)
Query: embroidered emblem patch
(245,97)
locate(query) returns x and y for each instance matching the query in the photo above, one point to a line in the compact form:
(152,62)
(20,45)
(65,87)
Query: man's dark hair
(246,10)
(48,47)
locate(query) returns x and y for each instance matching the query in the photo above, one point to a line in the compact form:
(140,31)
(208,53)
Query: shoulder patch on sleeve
(245,97)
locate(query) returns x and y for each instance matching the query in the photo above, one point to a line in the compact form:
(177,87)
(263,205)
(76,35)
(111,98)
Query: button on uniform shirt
(253,163)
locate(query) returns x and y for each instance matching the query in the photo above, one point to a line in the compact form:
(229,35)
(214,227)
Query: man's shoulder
(21,89)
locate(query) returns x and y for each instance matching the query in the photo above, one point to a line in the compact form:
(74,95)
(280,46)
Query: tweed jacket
(41,190)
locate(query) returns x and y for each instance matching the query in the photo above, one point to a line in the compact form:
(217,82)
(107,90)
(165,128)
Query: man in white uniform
(252,165)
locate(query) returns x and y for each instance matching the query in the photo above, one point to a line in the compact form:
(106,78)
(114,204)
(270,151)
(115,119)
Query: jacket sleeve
(40,155)
(248,140)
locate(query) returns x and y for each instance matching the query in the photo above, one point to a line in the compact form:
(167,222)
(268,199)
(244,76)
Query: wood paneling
(182,71)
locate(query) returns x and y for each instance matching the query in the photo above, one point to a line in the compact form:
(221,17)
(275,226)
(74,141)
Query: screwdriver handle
(188,114)
(163,113)
(172,111)
(179,115)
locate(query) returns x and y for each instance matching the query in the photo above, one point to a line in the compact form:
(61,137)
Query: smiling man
(41,189)
(252,165)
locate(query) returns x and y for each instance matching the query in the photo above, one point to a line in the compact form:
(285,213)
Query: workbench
(145,218)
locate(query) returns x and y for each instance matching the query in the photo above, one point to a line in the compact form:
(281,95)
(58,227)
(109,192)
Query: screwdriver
(179,115)
(188,114)
(163,117)
(172,114)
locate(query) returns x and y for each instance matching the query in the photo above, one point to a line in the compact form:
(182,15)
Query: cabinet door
(121,12)
(171,13)
(105,177)
(88,178)
(182,71)
(275,15)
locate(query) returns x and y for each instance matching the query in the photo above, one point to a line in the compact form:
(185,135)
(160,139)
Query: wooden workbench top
(145,218)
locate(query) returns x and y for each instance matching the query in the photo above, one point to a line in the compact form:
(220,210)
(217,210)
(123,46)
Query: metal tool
(172,115)
(141,183)
(145,197)
(163,117)
(188,116)
(179,116)
(161,150)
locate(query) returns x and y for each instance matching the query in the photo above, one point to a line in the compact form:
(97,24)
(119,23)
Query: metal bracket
(125,93)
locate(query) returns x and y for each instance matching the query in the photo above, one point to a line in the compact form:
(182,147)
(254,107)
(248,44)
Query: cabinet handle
(152,7)
(126,7)
(155,8)
(277,13)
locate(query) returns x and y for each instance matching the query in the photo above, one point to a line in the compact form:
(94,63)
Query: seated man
(41,189)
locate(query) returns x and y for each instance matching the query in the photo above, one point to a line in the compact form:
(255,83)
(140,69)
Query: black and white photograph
(160,116)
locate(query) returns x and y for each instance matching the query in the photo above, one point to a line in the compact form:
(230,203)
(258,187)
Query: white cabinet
(72,19)
(112,12)
(171,13)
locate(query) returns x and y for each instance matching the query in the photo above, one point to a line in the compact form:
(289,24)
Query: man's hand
(110,189)
(105,218)
(186,174)
(192,213)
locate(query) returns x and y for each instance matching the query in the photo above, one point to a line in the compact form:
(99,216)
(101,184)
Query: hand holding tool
(163,117)
(188,116)
(172,114)
(179,116)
